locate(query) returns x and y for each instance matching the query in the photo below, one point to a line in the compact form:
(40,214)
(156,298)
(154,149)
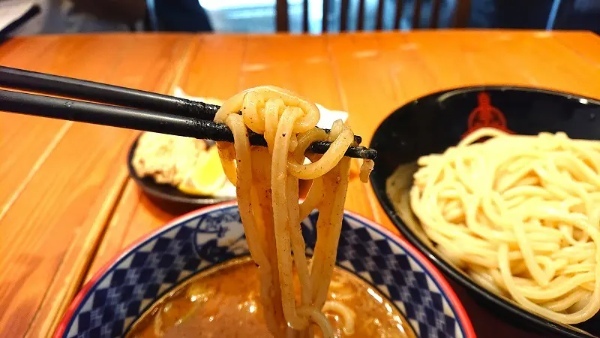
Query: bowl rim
(498,87)
(438,278)
(439,261)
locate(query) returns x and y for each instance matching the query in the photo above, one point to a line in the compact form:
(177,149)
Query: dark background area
(259,15)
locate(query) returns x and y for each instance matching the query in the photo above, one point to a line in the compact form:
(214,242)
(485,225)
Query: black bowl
(167,195)
(437,121)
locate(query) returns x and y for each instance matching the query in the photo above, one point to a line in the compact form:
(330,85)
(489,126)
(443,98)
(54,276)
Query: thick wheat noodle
(521,214)
(347,314)
(267,189)
(256,242)
(313,198)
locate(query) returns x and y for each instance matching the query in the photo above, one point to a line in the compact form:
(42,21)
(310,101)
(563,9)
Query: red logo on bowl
(486,116)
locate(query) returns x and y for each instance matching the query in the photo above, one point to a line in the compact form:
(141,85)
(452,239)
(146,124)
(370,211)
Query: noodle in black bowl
(125,289)
(435,124)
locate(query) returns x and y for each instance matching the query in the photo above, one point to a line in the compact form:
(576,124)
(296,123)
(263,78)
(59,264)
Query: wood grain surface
(67,206)
(63,179)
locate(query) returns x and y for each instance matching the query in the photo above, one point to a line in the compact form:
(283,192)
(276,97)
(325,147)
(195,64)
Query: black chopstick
(21,79)
(139,119)
(94,91)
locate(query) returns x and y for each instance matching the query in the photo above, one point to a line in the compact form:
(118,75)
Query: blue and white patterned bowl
(123,290)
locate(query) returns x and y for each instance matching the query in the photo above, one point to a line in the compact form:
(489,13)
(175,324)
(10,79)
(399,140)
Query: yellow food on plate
(189,164)
(207,177)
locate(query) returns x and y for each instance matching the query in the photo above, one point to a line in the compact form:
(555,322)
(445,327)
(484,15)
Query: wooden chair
(461,16)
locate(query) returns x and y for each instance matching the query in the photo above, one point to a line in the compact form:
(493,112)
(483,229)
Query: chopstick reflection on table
(125,108)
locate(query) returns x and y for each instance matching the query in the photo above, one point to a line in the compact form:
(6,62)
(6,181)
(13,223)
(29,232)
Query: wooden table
(67,205)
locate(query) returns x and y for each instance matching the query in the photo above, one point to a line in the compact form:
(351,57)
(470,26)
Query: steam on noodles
(266,180)
(521,214)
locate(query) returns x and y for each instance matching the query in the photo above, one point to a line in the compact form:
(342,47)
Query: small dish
(167,192)
(114,298)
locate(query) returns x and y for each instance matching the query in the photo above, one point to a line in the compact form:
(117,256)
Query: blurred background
(260,16)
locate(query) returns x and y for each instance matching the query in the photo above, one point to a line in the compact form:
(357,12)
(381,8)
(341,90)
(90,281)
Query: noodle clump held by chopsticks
(521,215)
(267,181)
